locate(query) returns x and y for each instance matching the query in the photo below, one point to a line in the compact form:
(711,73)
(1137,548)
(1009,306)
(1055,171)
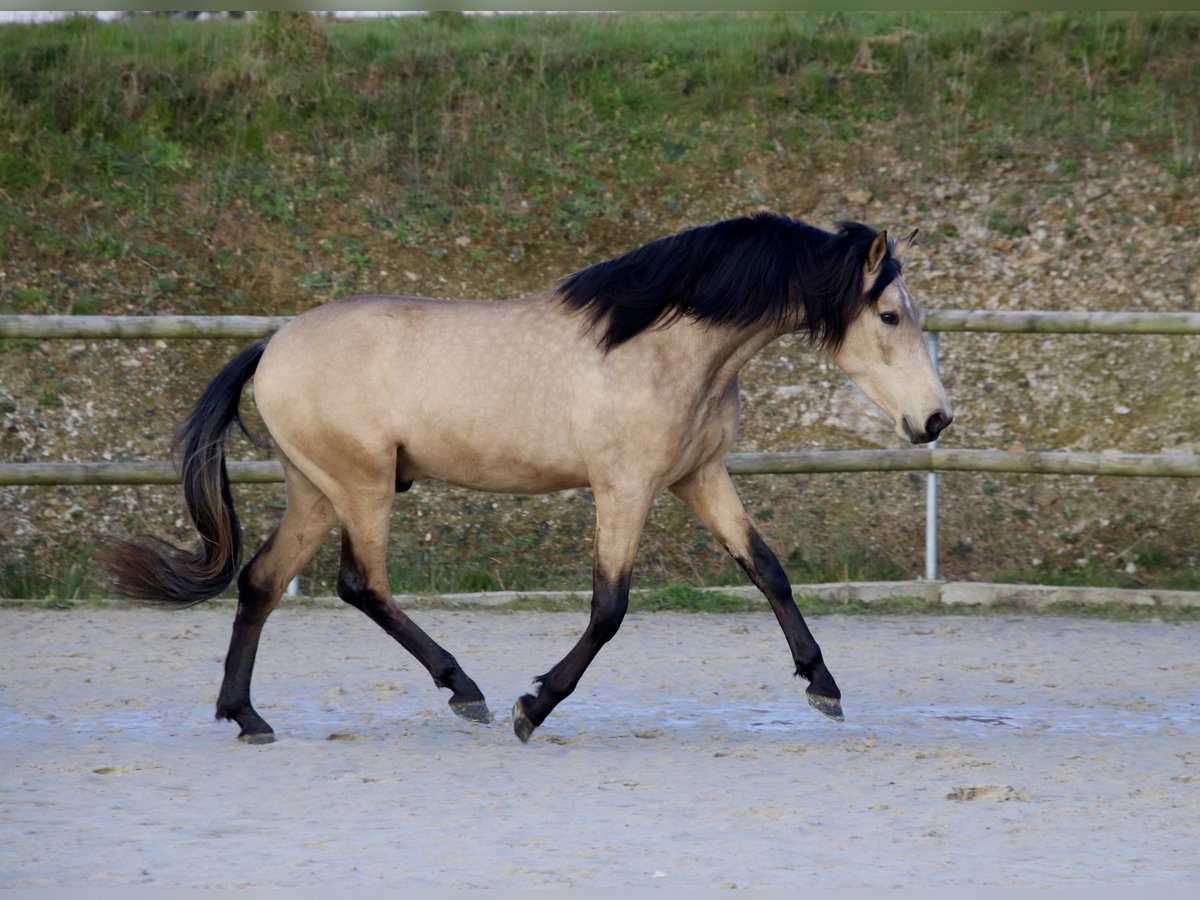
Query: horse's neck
(718,353)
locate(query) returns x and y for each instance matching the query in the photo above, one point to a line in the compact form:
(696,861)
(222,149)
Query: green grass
(682,598)
(145,139)
(686,598)
(284,110)
(1154,569)
(66,580)
(154,142)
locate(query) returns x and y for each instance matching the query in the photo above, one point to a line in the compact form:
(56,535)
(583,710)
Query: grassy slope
(510,125)
(159,166)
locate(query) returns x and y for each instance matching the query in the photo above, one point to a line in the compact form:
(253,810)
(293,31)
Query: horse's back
(476,393)
(406,346)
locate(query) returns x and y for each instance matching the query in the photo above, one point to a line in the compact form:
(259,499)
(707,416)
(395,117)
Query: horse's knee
(774,580)
(606,623)
(610,602)
(764,568)
(352,587)
(257,595)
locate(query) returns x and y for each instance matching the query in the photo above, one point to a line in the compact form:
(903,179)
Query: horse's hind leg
(711,495)
(363,584)
(305,525)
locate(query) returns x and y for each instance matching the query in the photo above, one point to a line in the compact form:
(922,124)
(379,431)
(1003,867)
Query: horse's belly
(489,468)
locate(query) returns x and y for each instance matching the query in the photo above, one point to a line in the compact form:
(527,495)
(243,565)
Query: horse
(622,377)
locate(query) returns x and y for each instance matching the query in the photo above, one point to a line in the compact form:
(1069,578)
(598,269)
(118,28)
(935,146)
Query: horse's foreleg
(260,586)
(711,495)
(619,520)
(363,584)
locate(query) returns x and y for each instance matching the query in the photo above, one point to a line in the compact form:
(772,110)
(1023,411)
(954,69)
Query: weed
(684,597)
(1007,222)
(848,565)
(67,576)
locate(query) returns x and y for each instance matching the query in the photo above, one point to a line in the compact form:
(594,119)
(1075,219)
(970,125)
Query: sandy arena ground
(984,751)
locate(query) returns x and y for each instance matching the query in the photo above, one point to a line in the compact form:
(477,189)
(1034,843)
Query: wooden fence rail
(814,462)
(936,320)
(1040,322)
(132,327)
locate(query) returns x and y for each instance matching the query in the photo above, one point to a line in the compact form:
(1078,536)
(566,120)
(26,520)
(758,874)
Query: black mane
(734,272)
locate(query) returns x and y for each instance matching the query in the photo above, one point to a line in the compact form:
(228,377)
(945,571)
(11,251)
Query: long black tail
(152,569)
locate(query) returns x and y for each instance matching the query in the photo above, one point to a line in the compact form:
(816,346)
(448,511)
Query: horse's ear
(876,253)
(904,243)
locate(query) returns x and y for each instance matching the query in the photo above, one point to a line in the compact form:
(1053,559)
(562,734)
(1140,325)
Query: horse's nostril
(937,423)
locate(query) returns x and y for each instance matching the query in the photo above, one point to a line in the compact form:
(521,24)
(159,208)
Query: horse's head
(884,351)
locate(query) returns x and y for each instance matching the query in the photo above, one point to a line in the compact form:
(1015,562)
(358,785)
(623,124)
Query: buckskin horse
(623,377)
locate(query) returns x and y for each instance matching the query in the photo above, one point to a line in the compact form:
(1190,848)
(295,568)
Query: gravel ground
(983,751)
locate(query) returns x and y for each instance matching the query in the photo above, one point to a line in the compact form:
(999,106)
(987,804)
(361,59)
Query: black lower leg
(763,568)
(466,699)
(254,605)
(610,600)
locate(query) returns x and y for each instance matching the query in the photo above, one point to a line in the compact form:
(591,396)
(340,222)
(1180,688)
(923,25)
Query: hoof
(473,711)
(262,737)
(522,727)
(829,706)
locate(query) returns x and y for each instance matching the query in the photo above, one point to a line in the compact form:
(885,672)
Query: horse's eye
(890,318)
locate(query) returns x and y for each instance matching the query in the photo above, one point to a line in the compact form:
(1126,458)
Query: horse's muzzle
(934,425)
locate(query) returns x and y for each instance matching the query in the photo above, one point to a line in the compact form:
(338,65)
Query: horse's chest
(698,434)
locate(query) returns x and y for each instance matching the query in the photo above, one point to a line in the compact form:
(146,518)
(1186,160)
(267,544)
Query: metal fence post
(931,489)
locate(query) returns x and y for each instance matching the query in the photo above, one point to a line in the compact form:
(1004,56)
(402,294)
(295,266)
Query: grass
(285,111)
(1153,570)
(682,598)
(150,140)
(68,579)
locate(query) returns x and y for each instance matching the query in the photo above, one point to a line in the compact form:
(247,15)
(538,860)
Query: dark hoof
(522,727)
(830,706)
(473,711)
(253,728)
(262,737)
